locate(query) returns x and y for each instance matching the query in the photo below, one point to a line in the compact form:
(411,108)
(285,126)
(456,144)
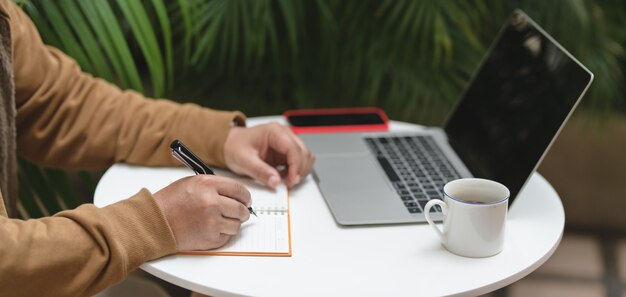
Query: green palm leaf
(99,15)
(88,40)
(44,192)
(69,42)
(164,23)
(141,27)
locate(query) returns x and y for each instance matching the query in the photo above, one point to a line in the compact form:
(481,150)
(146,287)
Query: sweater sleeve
(69,119)
(82,251)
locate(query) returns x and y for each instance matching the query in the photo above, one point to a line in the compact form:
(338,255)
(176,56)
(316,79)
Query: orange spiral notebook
(267,234)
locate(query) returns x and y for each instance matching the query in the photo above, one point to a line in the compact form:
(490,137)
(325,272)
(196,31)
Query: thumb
(261,171)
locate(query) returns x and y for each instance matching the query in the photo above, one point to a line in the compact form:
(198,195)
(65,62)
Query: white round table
(333,260)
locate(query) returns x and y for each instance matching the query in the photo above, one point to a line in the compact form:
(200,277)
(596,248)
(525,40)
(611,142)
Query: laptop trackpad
(357,191)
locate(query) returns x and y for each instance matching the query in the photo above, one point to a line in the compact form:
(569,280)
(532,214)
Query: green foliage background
(411,58)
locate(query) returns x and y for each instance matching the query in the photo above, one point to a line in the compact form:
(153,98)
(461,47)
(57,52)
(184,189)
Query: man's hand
(204,211)
(259,150)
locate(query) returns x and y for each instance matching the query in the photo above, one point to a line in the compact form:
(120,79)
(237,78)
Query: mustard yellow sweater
(54,115)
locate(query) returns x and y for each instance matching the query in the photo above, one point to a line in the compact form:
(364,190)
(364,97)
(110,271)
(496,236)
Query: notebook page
(267,233)
(265,199)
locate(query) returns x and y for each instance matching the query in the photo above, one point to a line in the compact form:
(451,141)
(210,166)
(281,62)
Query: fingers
(234,198)
(234,210)
(299,159)
(259,150)
(222,240)
(261,171)
(230,226)
(232,189)
(307,157)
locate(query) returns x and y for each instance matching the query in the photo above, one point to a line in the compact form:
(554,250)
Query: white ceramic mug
(474,212)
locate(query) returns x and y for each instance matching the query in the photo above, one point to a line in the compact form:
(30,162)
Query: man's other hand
(267,153)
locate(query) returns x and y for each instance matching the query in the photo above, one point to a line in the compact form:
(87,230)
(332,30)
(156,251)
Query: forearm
(91,124)
(80,252)
(69,119)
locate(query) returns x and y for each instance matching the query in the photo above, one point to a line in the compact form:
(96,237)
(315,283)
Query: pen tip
(252,211)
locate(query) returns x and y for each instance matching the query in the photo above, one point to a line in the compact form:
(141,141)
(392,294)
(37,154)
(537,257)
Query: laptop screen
(518,100)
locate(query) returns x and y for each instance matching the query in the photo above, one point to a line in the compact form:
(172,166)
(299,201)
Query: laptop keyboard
(416,167)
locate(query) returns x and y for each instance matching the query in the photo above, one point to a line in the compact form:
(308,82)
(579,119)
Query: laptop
(523,92)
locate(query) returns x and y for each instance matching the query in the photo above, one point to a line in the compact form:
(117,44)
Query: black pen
(187,157)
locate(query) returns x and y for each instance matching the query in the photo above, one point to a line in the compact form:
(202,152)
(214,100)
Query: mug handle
(444,208)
